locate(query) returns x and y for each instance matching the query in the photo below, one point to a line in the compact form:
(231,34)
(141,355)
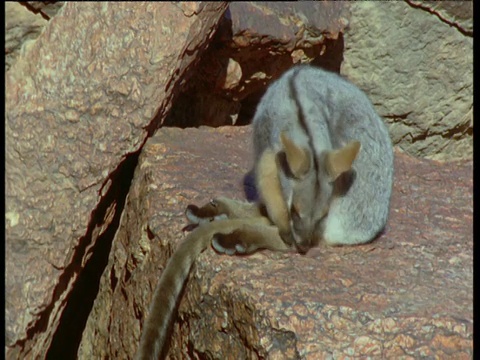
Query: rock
(456,13)
(415,61)
(257,42)
(47,9)
(408,293)
(422,85)
(151,227)
(21,25)
(80,269)
(103,78)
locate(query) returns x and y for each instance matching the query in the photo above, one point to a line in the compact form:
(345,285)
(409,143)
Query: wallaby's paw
(287,237)
(231,244)
(207,213)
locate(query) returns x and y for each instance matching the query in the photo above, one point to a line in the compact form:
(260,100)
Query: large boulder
(104,76)
(415,61)
(408,293)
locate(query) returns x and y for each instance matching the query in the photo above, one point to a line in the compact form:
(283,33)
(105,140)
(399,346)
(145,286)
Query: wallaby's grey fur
(324,119)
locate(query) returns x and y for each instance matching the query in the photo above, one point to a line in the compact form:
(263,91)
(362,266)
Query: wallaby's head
(308,188)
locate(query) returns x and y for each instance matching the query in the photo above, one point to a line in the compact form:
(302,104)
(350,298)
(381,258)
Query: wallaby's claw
(229,244)
(191,213)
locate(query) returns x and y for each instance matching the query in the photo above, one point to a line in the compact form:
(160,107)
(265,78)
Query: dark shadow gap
(201,103)
(79,302)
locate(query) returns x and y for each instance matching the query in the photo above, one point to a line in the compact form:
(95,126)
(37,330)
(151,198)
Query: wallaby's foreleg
(268,182)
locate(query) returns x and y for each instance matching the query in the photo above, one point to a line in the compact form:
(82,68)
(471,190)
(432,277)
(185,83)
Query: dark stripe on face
(303,122)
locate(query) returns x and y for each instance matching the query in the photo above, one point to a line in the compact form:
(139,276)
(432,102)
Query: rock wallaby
(323,164)
(323,160)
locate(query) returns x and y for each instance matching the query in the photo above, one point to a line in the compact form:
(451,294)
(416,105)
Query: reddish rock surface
(256,42)
(103,77)
(402,73)
(100,79)
(409,293)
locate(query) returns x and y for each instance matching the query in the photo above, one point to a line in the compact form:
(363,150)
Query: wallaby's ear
(298,159)
(339,161)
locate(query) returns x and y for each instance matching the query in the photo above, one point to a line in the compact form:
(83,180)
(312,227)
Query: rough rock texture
(169,175)
(415,61)
(103,78)
(46,9)
(21,25)
(413,58)
(409,293)
(100,79)
(257,42)
(458,14)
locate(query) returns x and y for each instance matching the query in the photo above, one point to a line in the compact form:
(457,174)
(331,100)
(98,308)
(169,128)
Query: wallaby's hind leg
(248,239)
(221,208)
(339,230)
(253,230)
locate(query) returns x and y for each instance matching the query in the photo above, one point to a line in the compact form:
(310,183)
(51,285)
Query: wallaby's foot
(215,209)
(207,213)
(239,227)
(230,244)
(248,239)
(222,208)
